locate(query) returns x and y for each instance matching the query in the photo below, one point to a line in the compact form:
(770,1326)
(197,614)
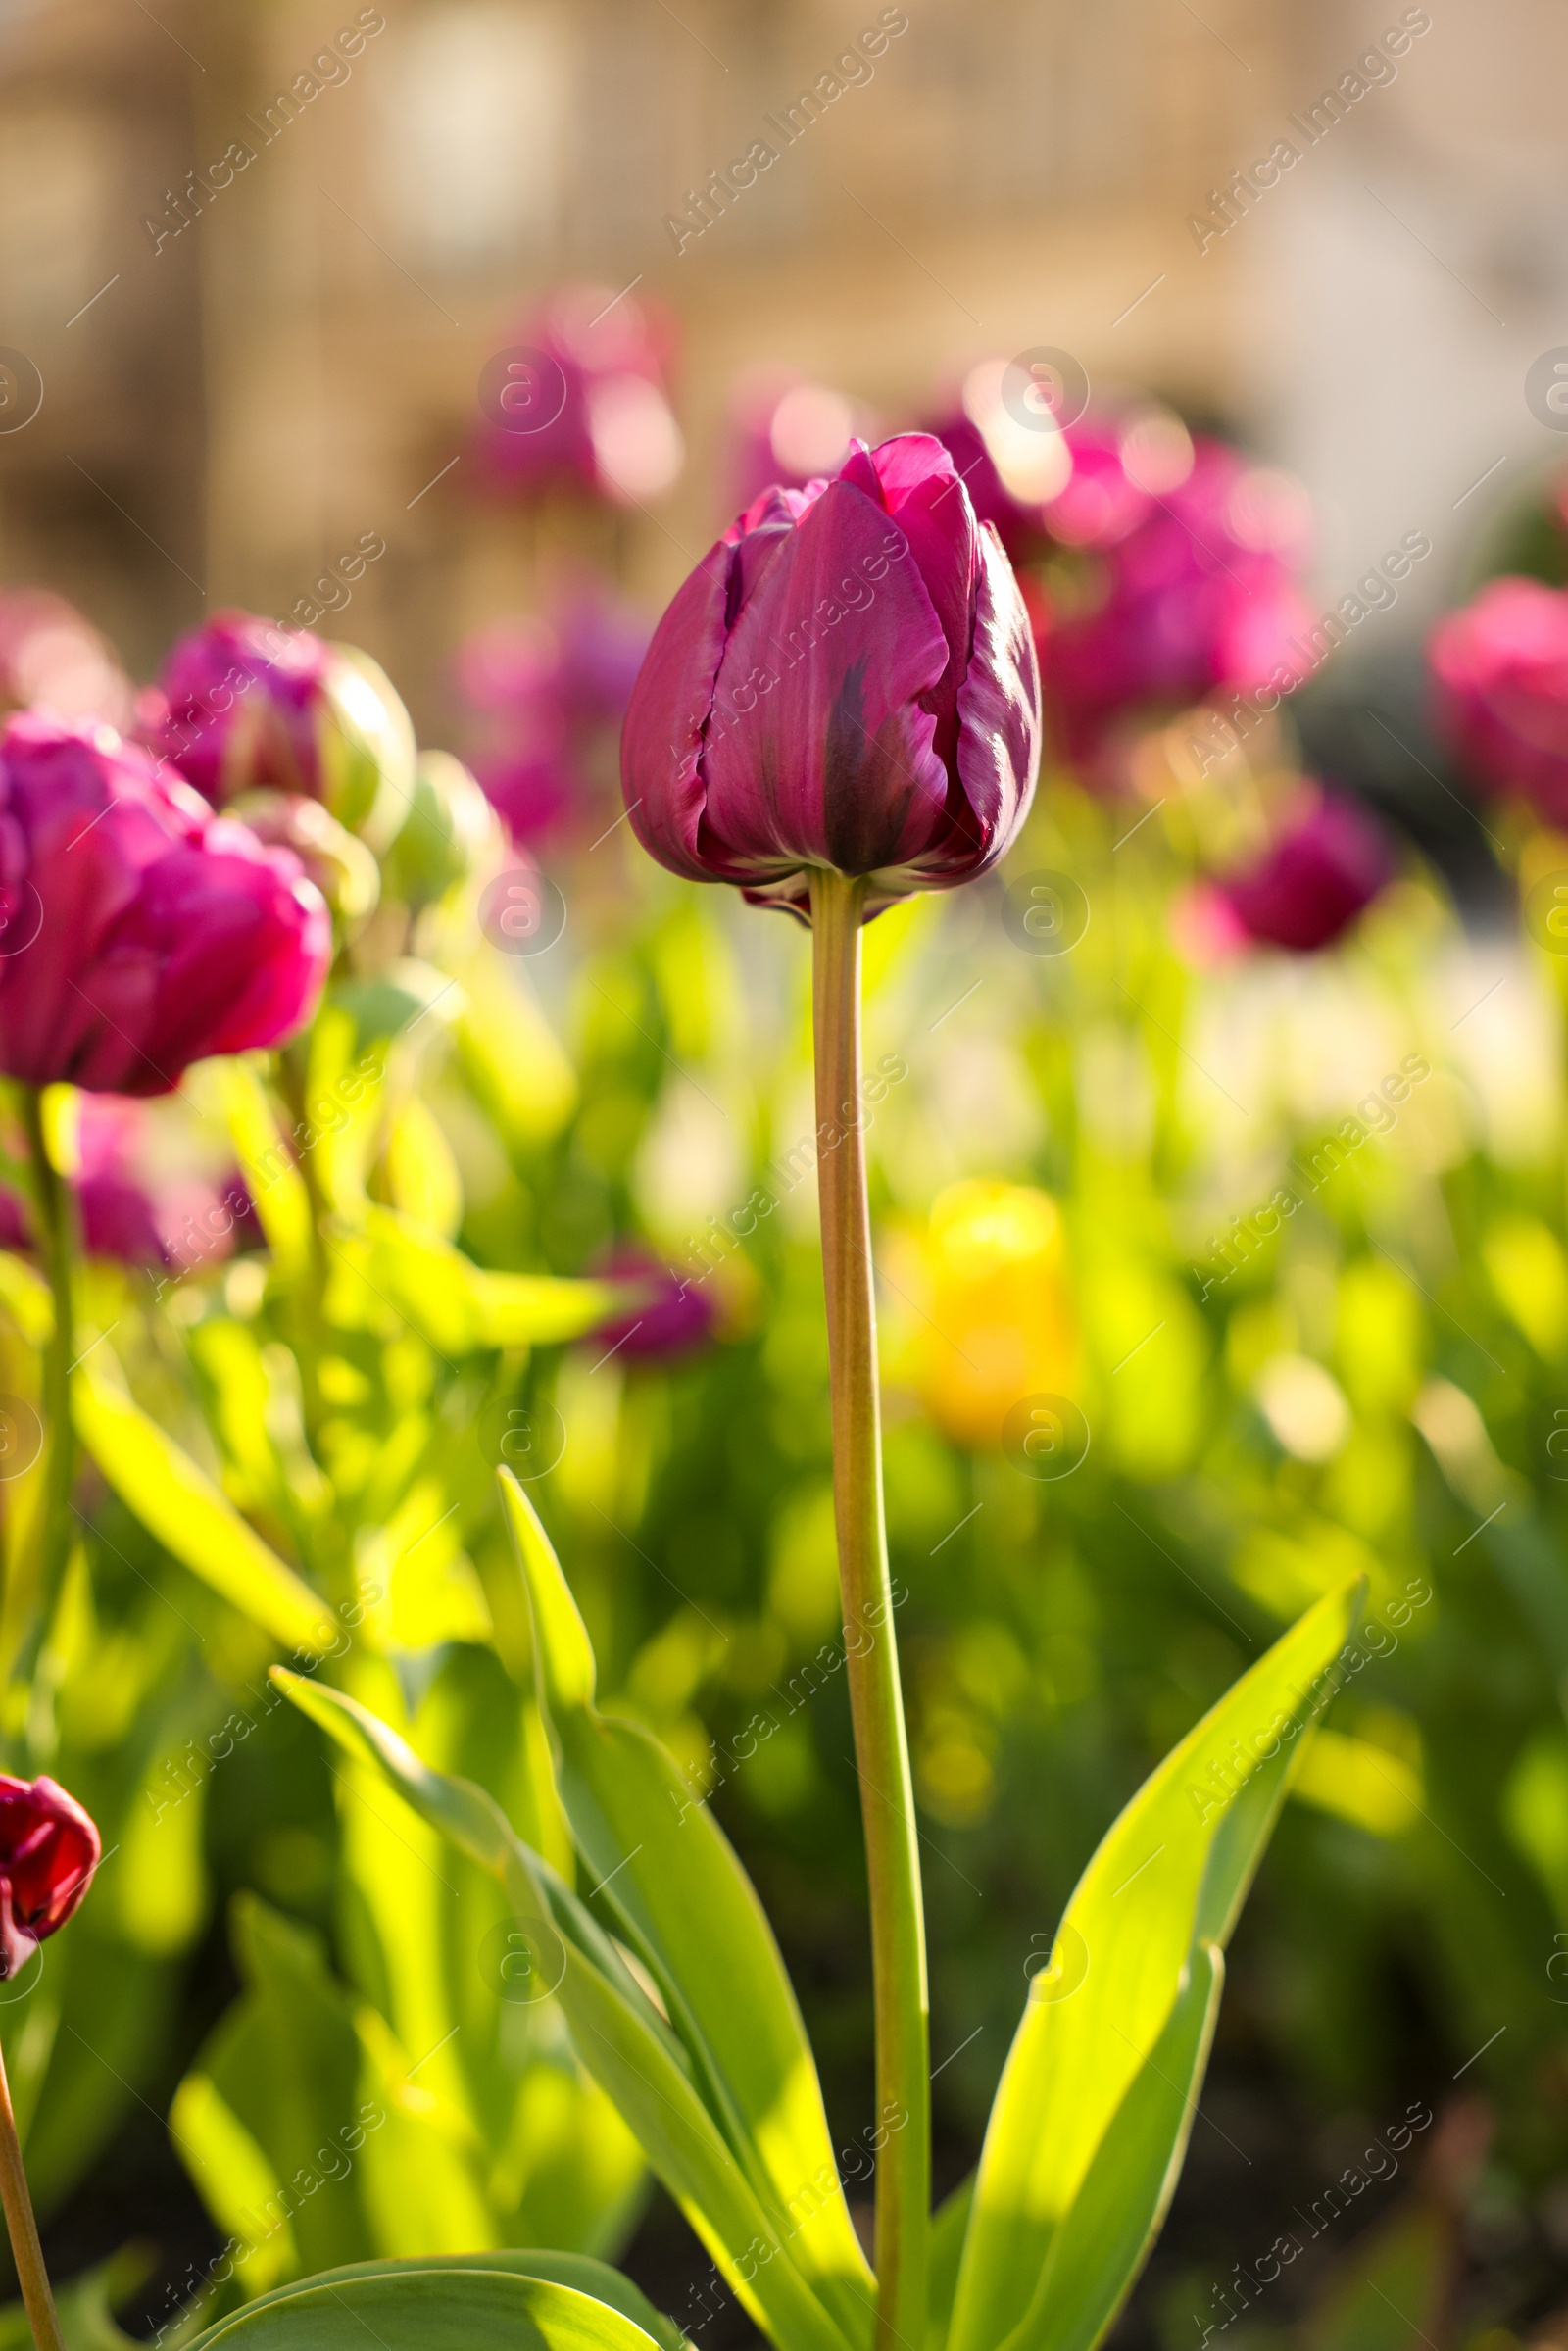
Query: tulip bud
(1501,666)
(446,835)
(141,932)
(49,1848)
(1326,864)
(247,703)
(671,1318)
(847,681)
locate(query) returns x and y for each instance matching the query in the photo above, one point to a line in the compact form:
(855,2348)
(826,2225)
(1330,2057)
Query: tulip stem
(56,1222)
(881,1747)
(23,2227)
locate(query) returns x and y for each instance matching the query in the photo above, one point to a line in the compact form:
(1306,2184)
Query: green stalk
(882,1753)
(23,2229)
(57,1236)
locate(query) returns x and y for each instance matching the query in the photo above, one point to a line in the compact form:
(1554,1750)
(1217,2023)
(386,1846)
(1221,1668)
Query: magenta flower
(49,1849)
(580,402)
(1195,595)
(144,1198)
(674,1319)
(244,704)
(846,680)
(549,696)
(138,932)
(1168,566)
(1326,864)
(1501,666)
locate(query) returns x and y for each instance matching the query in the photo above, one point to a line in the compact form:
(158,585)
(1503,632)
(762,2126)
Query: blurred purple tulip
(1326,864)
(244,705)
(1167,566)
(675,1319)
(137,1204)
(138,932)
(549,696)
(846,680)
(1501,666)
(581,401)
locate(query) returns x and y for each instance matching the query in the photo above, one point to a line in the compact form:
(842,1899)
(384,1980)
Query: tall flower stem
(56,1222)
(876,1702)
(21,2226)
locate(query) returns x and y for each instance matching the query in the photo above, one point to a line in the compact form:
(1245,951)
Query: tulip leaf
(386,1261)
(195,1522)
(1098,2251)
(271,1176)
(415,2306)
(579,2271)
(1116,2009)
(681,1899)
(618,2032)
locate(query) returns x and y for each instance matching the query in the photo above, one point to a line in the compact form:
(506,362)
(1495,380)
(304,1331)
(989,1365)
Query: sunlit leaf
(415,2307)
(178,1504)
(618,2032)
(684,1901)
(1169,1878)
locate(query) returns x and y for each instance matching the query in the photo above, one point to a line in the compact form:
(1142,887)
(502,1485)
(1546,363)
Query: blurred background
(264,271)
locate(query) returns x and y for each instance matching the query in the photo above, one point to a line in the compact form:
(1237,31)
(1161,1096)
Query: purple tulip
(674,1319)
(1198,595)
(1171,564)
(581,403)
(1326,864)
(550,695)
(138,932)
(846,680)
(243,704)
(1502,671)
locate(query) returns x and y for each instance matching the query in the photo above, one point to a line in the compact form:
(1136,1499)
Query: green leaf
(619,2033)
(284,2069)
(576,2270)
(1100,2247)
(418,2307)
(194,1521)
(389,1261)
(681,1898)
(1169,1877)
(85,2305)
(271,1176)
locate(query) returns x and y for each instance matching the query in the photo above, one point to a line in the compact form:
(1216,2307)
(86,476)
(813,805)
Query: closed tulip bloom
(1328,862)
(848,681)
(49,1848)
(243,704)
(673,1318)
(1501,666)
(138,932)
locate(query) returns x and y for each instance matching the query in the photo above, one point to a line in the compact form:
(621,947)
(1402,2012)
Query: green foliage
(724,2098)
(409,2306)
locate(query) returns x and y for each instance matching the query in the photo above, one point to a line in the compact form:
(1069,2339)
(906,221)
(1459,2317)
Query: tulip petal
(669,707)
(999,722)
(921,490)
(816,737)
